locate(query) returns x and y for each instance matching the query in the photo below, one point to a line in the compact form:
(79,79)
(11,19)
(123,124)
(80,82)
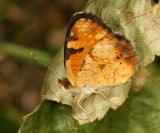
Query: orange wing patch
(95,56)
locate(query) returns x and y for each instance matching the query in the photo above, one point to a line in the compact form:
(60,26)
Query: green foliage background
(141,111)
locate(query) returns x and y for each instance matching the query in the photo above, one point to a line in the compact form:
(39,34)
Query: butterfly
(94,55)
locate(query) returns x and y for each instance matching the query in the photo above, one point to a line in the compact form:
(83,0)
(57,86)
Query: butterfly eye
(154,2)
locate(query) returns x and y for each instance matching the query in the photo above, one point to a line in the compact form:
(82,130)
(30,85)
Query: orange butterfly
(93,55)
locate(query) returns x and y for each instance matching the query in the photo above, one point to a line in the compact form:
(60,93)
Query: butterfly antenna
(45,64)
(138,16)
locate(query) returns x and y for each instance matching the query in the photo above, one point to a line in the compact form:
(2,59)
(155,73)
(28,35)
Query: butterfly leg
(114,106)
(79,101)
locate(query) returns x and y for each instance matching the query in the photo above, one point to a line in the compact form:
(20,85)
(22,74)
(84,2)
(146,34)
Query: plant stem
(25,54)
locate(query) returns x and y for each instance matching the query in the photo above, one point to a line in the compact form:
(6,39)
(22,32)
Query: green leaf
(140,114)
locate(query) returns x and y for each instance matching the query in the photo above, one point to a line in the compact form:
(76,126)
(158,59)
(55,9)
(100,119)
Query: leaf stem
(23,53)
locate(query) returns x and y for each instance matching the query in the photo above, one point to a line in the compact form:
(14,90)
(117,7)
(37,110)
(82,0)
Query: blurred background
(28,25)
